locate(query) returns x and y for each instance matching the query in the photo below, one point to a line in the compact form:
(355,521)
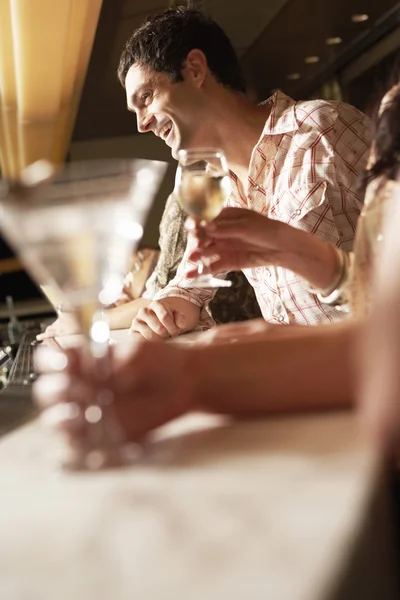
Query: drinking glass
(51,292)
(77,228)
(202,187)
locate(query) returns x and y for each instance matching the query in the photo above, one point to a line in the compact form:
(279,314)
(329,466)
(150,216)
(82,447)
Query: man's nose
(143,122)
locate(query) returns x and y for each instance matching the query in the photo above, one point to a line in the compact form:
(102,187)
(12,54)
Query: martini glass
(78,228)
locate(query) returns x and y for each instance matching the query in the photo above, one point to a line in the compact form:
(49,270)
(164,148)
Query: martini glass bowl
(77,228)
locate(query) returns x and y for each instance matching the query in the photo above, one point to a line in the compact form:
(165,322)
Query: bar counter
(292,508)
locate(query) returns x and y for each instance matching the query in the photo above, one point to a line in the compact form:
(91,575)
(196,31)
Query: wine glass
(77,228)
(202,187)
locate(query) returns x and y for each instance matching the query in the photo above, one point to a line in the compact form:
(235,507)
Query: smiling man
(296,163)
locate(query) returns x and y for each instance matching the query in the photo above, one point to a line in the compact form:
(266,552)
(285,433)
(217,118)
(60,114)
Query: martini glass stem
(104,442)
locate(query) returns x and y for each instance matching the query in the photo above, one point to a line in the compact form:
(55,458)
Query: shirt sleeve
(169,279)
(149,290)
(179,287)
(323,196)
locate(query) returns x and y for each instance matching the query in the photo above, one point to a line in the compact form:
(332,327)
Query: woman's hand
(66,324)
(149,386)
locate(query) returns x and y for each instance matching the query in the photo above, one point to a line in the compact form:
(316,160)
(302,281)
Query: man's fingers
(232,228)
(220,255)
(232,212)
(157,318)
(217,266)
(160,320)
(224,249)
(166,317)
(214,249)
(141,327)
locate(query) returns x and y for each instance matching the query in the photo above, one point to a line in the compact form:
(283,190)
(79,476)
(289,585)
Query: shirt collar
(282,118)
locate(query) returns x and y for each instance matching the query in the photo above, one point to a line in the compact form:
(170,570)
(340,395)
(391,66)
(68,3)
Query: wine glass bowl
(202,187)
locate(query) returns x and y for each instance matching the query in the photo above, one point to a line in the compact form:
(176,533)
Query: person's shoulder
(316,113)
(173,236)
(173,215)
(323,114)
(172,207)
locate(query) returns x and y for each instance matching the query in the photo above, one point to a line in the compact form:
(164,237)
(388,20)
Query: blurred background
(333,49)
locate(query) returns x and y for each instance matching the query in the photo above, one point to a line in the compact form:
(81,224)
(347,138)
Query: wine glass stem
(203,266)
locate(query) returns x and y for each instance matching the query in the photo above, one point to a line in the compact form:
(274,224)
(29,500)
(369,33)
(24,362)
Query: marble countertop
(212,509)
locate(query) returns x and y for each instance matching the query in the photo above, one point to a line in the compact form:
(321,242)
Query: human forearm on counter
(303,370)
(120,317)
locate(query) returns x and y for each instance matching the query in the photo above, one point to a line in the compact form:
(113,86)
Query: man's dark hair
(165,39)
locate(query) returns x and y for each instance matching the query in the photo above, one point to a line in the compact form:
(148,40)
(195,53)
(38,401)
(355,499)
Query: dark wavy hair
(386,140)
(164,40)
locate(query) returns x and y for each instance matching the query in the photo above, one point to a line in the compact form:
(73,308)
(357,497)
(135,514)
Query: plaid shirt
(303,171)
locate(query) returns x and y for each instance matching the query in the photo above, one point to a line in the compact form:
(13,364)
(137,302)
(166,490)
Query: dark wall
(18,284)
(366,91)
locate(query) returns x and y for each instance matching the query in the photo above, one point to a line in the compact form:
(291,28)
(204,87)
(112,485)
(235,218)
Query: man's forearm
(306,369)
(308,256)
(179,287)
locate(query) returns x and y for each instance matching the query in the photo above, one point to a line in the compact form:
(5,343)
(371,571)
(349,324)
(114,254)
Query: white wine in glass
(202,187)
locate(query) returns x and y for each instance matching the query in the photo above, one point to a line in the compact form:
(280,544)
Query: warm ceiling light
(293,76)
(333,41)
(310,60)
(44,57)
(359,18)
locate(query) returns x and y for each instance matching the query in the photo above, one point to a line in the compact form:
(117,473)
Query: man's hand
(66,324)
(149,387)
(166,318)
(238,239)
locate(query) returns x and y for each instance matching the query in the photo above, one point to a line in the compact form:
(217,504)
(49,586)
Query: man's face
(170,110)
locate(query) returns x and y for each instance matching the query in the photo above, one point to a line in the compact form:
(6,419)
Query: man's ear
(195,67)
